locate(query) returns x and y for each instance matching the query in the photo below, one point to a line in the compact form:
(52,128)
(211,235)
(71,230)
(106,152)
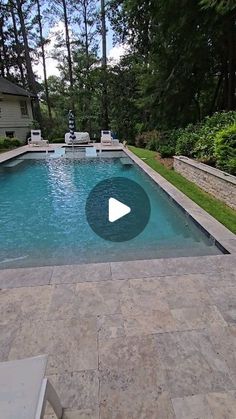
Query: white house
(16,114)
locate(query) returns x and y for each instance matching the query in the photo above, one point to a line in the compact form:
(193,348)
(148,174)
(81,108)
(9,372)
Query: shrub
(186,141)
(166,150)
(225,149)
(204,149)
(148,139)
(8,143)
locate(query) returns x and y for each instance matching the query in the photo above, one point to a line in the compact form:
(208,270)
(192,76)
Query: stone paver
(81,273)
(25,277)
(70,344)
(162,346)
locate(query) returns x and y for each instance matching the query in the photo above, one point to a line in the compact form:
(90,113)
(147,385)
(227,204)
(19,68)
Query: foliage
(198,141)
(225,149)
(9,143)
(166,150)
(148,139)
(186,141)
(217,209)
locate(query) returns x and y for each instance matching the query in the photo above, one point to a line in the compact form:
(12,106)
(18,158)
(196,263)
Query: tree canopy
(179,66)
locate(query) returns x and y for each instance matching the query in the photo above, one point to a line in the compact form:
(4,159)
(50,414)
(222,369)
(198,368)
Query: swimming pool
(43,220)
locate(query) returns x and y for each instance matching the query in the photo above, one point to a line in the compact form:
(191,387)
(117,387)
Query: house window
(10,134)
(24,108)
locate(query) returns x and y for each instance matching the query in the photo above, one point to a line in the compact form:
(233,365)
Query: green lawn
(217,209)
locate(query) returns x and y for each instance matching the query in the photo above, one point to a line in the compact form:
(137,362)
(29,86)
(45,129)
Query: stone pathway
(140,340)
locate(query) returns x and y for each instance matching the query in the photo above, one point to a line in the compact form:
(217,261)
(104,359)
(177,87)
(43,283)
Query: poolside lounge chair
(24,390)
(106,138)
(81,138)
(36,139)
(90,152)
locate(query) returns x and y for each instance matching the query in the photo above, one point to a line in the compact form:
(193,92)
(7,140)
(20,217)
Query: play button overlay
(118,209)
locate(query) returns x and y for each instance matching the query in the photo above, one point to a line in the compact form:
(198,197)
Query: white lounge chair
(81,138)
(36,138)
(24,390)
(106,138)
(90,152)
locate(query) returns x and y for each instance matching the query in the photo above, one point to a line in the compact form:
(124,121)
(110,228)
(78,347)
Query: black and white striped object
(72,126)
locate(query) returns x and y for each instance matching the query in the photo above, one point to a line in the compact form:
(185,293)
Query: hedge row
(212,141)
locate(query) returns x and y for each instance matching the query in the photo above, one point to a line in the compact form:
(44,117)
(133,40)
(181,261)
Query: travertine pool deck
(149,339)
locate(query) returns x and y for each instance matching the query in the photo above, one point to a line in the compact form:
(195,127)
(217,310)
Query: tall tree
(42,45)
(31,77)
(105,116)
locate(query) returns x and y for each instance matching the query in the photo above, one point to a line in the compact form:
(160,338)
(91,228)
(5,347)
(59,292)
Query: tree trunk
(105,117)
(88,95)
(44,60)
(31,77)
(18,49)
(231,63)
(67,35)
(5,64)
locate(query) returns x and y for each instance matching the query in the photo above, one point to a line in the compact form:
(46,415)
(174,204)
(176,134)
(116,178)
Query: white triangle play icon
(117,210)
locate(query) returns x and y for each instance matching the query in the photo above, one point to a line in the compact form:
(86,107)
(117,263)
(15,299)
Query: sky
(113,52)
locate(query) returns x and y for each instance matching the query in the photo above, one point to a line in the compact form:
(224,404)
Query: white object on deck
(106,138)
(90,152)
(80,138)
(36,138)
(24,389)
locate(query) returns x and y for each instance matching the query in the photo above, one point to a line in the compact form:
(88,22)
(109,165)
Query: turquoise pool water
(43,219)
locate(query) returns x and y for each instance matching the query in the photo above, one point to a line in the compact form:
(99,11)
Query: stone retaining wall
(219,184)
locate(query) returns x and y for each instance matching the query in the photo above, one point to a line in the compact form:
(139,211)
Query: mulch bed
(167,162)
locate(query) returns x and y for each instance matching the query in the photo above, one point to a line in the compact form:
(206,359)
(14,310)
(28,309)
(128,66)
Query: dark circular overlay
(129,193)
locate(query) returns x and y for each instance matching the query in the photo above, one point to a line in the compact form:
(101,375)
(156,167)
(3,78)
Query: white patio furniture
(90,152)
(80,138)
(24,389)
(106,138)
(36,139)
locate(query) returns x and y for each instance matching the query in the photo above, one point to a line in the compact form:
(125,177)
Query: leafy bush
(166,150)
(204,149)
(225,149)
(186,141)
(148,139)
(8,143)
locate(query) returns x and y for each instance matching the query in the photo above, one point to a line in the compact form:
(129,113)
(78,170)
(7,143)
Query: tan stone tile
(222,405)
(192,407)
(133,394)
(99,298)
(153,322)
(143,296)
(225,299)
(199,317)
(77,390)
(195,362)
(130,353)
(110,326)
(19,304)
(81,273)
(7,335)
(25,277)
(70,344)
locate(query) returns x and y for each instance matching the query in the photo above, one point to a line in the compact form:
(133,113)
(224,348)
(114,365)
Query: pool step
(13,163)
(126,161)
